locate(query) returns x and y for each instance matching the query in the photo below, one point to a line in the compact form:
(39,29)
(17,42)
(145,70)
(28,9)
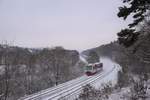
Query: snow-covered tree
(138,90)
(93,57)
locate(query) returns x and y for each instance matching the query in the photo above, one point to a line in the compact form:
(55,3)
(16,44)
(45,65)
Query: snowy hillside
(71,89)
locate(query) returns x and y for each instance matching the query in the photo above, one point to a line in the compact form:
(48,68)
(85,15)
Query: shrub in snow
(90,93)
(138,90)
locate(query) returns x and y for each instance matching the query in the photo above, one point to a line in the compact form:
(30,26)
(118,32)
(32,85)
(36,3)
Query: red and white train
(92,69)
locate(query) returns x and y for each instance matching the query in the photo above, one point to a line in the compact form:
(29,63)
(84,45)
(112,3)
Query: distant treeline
(135,59)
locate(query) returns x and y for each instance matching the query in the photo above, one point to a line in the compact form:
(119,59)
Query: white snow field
(71,89)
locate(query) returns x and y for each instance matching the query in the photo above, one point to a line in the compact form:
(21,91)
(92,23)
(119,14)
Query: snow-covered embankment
(71,89)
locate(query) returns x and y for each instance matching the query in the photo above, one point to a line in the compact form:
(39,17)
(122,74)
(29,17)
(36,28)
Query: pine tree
(138,8)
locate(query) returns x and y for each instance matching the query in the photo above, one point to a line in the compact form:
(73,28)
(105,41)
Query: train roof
(97,63)
(90,64)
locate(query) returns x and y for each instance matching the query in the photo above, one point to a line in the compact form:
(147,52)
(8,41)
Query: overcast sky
(73,24)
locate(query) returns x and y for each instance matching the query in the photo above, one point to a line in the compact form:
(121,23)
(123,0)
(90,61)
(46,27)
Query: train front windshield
(88,68)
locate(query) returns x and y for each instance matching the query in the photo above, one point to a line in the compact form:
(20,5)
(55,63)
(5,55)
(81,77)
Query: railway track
(53,89)
(71,89)
(66,94)
(66,89)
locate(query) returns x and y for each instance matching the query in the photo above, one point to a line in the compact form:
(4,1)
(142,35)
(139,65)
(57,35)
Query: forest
(25,71)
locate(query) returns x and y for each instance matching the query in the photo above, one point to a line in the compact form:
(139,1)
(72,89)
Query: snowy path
(71,89)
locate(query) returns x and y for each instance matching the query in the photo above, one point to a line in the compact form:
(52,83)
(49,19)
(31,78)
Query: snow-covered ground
(125,92)
(71,89)
(82,58)
(119,95)
(110,77)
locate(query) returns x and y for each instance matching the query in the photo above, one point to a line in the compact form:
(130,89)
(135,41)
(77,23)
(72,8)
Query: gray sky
(73,24)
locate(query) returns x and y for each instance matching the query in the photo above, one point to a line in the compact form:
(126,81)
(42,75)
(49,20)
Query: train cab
(92,69)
